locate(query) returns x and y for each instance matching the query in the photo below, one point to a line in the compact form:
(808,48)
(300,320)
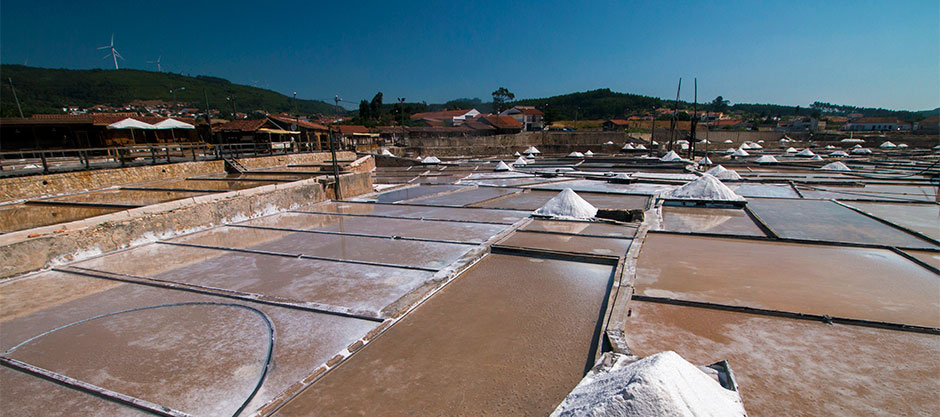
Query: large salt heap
(835,166)
(839,153)
(385,152)
(671,157)
(640,147)
(567,205)
(589,153)
(627,147)
(501,166)
(741,153)
(431,160)
(767,159)
(663,384)
(520,161)
(706,188)
(806,153)
(575,154)
(532,150)
(887,145)
(723,173)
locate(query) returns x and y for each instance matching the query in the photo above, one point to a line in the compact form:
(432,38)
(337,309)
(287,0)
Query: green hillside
(43,90)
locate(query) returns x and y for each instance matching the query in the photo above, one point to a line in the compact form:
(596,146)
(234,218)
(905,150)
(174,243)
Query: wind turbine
(114,53)
(157,62)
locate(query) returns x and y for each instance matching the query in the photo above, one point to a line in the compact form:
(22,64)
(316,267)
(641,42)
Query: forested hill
(43,90)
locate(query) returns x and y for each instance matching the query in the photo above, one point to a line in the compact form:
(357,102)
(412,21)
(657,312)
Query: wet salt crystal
(723,173)
(836,166)
(567,205)
(501,166)
(707,187)
(663,384)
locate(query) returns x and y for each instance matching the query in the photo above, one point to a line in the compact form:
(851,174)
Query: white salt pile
(755,145)
(670,157)
(501,166)
(806,153)
(589,153)
(431,160)
(790,150)
(517,154)
(730,150)
(830,147)
(640,147)
(816,158)
(861,151)
(902,145)
(853,140)
(520,161)
(741,152)
(532,151)
(705,161)
(723,173)
(745,146)
(576,155)
(767,159)
(663,384)
(835,166)
(839,153)
(706,187)
(887,145)
(609,142)
(728,141)
(627,147)
(385,152)
(567,205)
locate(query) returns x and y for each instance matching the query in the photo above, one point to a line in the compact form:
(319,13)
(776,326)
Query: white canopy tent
(131,124)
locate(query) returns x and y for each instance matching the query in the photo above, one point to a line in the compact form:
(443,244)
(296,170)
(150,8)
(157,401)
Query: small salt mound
(745,146)
(756,146)
(501,166)
(655,143)
(723,173)
(567,205)
(576,155)
(707,187)
(835,166)
(663,384)
(853,140)
(816,158)
(856,147)
(670,157)
(520,161)
(887,145)
(730,150)
(861,151)
(705,161)
(741,152)
(728,141)
(902,145)
(609,142)
(431,160)
(790,150)
(531,150)
(839,153)
(760,141)
(627,147)
(589,154)
(767,159)
(517,154)
(385,152)
(640,147)
(830,147)
(806,152)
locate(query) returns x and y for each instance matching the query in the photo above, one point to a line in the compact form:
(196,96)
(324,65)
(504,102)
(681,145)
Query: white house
(530,117)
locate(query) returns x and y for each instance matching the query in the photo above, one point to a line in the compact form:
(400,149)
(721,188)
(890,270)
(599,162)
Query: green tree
(500,97)
(796,111)
(375,106)
(719,104)
(365,111)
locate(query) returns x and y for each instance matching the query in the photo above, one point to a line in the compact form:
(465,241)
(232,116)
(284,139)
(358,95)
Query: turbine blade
(118,54)
(105,47)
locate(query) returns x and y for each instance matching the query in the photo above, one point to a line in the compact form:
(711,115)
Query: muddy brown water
(709,220)
(869,284)
(205,185)
(512,336)
(414,192)
(828,221)
(582,228)
(532,200)
(417,212)
(796,367)
(16,217)
(463,198)
(381,250)
(455,231)
(26,395)
(928,257)
(569,243)
(305,340)
(923,218)
(133,197)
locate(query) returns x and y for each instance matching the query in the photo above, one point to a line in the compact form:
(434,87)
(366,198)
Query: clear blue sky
(865,53)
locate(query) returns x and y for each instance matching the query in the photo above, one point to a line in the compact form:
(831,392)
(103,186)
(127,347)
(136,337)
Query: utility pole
(649,152)
(401,110)
(296,113)
(576,110)
(675,115)
(338,194)
(208,115)
(694,120)
(15,98)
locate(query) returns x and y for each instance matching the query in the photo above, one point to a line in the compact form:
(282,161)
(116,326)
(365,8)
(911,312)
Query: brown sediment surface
(464,198)
(305,340)
(873,192)
(581,228)
(569,243)
(418,212)
(26,395)
(414,192)
(133,197)
(512,336)
(204,185)
(357,287)
(369,249)
(828,221)
(797,367)
(923,218)
(709,220)
(531,200)
(21,296)
(868,284)
(928,257)
(15,217)
(207,366)
(456,231)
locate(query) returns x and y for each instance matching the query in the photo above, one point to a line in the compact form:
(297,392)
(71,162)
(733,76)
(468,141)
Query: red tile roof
(350,129)
(241,125)
(439,115)
(301,123)
(501,122)
(619,122)
(529,110)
